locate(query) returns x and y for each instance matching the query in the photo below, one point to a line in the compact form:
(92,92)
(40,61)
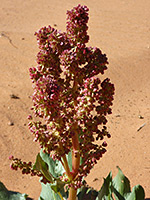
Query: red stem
(72,194)
(75,140)
(75,154)
(66,167)
(75,150)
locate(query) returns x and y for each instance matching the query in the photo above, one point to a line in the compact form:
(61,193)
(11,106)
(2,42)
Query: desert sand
(121,29)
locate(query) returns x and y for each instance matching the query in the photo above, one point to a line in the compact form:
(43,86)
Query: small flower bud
(104,144)
(11,157)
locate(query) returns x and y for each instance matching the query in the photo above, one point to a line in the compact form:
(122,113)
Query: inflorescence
(68,96)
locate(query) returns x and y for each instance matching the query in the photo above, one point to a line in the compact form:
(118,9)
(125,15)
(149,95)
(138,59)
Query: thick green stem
(72,194)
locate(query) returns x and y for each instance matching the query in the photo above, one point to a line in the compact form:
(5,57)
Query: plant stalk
(72,194)
(66,167)
(75,154)
(75,149)
(75,140)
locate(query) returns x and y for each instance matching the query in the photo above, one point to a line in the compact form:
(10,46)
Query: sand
(121,29)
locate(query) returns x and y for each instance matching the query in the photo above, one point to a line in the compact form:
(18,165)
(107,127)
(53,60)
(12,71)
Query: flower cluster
(72,102)
(46,96)
(26,167)
(77,25)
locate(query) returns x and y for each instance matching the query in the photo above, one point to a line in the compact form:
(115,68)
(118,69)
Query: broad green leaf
(42,166)
(48,193)
(121,184)
(58,186)
(55,167)
(56,170)
(87,194)
(10,195)
(137,193)
(81,191)
(117,195)
(105,192)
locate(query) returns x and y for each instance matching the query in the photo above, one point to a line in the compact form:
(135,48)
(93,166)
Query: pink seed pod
(29,117)
(11,157)
(104,144)
(11,167)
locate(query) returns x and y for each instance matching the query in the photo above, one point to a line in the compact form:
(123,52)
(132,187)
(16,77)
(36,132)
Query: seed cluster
(68,97)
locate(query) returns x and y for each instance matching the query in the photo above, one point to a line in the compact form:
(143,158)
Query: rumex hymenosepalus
(71,101)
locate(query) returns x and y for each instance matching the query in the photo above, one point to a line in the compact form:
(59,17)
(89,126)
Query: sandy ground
(121,28)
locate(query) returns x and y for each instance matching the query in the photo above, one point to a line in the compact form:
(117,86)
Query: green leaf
(10,195)
(56,170)
(81,191)
(55,167)
(58,186)
(41,165)
(48,193)
(137,193)
(117,195)
(121,185)
(87,194)
(105,192)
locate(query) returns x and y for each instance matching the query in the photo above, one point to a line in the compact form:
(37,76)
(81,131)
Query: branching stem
(66,167)
(65,164)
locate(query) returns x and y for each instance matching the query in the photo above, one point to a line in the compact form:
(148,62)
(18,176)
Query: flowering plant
(72,104)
